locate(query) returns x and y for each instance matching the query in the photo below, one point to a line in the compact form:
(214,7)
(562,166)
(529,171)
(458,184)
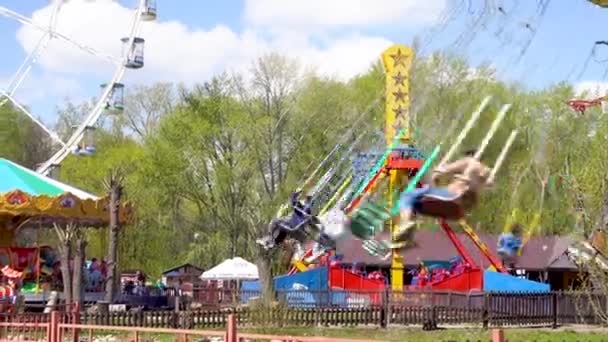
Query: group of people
(135,287)
(469,177)
(96,274)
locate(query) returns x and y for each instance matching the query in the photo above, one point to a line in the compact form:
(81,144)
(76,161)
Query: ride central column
(397,61)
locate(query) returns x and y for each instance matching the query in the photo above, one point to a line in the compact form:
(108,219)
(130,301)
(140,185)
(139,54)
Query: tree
(145,106)
(79,248)
(286,120)
(199,160)
(21,140)
(65,235)
(114,187)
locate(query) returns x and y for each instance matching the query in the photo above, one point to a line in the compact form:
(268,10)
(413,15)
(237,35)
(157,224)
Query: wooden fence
(385,308)
(418,307)
(56,327)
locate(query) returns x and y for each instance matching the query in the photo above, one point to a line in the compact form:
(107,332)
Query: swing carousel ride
(398,164)
(33,200)
(364,202)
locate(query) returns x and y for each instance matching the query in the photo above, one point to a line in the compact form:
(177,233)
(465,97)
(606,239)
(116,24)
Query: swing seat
(368,218)
(441,207)
(360,228)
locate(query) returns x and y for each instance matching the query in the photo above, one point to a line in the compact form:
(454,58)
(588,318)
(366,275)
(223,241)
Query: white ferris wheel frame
(50,33)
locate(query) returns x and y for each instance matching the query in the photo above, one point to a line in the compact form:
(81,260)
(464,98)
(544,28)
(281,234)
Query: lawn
(453,334)
(412,334)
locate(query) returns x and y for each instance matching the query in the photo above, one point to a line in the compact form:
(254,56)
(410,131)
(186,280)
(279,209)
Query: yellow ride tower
(397,61)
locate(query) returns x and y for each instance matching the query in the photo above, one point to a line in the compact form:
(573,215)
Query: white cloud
(37,87)
(175,53)
(592,89)
(347,57)
(178,53)
(318,14)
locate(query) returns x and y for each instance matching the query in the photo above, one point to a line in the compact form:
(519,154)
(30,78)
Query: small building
(543,258)
(186,273)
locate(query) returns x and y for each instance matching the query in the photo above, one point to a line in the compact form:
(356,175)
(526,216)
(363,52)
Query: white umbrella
(232,269)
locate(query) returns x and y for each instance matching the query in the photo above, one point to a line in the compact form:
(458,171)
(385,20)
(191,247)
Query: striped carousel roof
(16,177)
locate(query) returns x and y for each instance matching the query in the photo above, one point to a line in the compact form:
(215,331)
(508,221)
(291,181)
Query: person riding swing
(470,176)
(293,227)
(510,242)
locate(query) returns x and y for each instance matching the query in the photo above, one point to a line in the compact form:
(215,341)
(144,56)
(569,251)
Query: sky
(194,39)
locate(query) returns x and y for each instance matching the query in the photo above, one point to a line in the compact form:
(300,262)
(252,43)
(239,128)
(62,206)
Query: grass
(453,334)
(407,334)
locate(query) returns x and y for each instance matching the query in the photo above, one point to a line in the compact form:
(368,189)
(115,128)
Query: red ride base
(468,280)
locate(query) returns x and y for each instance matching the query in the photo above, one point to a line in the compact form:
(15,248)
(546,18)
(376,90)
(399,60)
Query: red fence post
(76,320)
(231,329)
(498,335)
(53,329)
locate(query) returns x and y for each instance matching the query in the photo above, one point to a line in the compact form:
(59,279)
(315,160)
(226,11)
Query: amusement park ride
(581,105)
(401,168)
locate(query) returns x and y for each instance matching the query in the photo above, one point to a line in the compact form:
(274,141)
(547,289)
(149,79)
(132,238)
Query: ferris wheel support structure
(145,11)
(31,59)
(25,68)
(94,115)
(54,34)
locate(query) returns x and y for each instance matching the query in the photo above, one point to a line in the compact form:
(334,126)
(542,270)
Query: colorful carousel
(29,200)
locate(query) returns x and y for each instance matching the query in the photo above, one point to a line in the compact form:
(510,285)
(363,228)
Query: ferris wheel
(81,142)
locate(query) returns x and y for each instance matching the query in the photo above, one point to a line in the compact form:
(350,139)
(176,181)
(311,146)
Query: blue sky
(193,39)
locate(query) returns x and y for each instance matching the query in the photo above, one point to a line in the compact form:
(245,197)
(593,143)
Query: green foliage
(20,139)
(209,169)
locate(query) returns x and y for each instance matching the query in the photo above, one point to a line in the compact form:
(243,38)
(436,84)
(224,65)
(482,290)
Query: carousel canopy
(16,177)
(31,199)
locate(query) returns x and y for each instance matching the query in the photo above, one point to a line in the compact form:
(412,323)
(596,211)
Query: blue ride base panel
(499,282)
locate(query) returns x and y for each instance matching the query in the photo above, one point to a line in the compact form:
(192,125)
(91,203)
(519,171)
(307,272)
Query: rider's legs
(406,226)
(409,204)
(276,234)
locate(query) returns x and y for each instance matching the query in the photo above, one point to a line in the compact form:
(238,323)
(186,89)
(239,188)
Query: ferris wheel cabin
(87,148)
(148,12)
(134,54)
(115,100)
(89,141)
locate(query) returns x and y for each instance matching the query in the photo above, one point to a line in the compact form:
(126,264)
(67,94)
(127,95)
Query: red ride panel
(465,282)
(404,164)
(347,280)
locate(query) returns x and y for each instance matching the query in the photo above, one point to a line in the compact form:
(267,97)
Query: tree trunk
(77,278)
(65,252)
(115,188)
(264,263)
